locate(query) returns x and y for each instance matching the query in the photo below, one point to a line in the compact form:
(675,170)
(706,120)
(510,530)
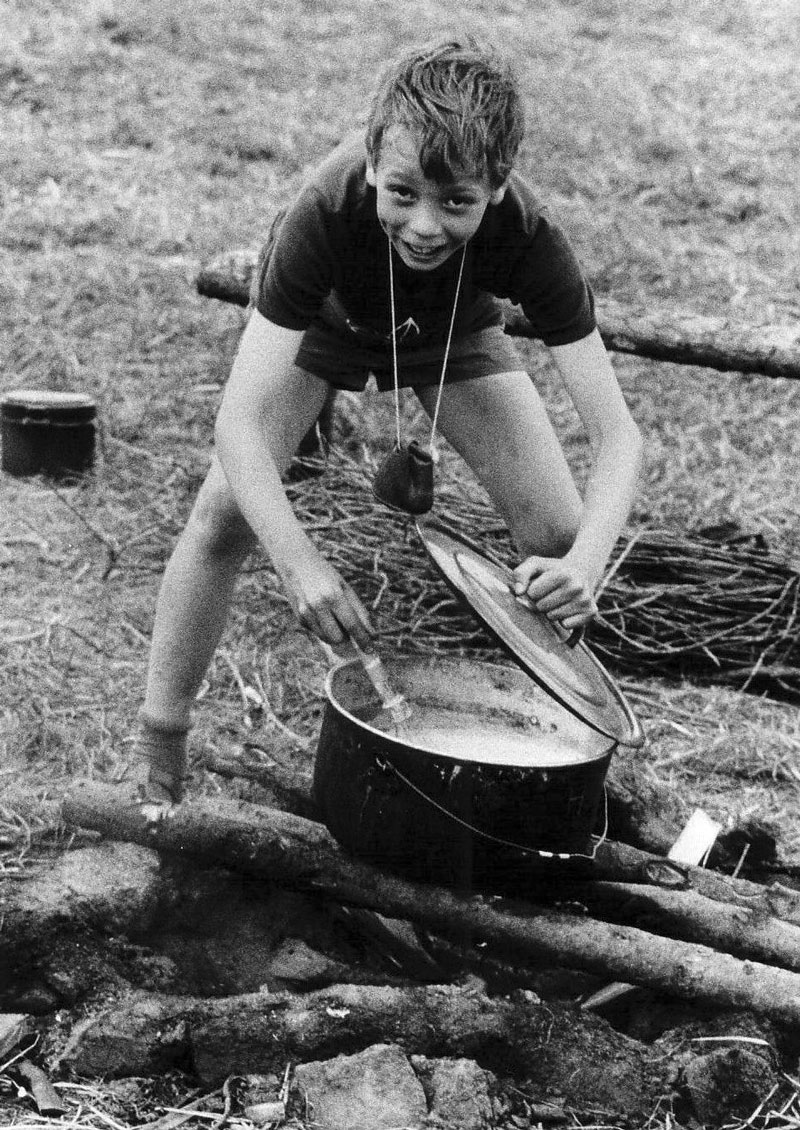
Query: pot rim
(383,735)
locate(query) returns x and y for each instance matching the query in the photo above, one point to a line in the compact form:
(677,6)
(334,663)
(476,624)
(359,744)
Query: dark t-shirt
(329,240)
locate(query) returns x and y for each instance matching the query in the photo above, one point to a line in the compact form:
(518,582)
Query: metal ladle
(392,701)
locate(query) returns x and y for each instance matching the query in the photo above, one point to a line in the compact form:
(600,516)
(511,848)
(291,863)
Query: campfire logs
(301,853)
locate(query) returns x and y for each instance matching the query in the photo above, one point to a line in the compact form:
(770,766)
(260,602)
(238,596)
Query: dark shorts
(332,350)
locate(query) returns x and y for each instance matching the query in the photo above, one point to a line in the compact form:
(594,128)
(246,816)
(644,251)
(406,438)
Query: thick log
(661,335)
(642,812)
(734,916)
(684,338)
(625,864)
(296,852)
(228,277)
(553,1046)
(694,918)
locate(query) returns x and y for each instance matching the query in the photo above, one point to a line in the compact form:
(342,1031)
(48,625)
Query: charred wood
(301,853)
(577,1054)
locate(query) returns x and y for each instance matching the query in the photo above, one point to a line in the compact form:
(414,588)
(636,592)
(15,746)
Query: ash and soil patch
(104,926)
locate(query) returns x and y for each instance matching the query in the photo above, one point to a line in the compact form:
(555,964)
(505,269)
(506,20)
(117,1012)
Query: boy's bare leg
(193,605)
(500,427)
(191,612)
(194,601)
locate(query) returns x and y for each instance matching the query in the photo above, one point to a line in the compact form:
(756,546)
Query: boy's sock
(163,748)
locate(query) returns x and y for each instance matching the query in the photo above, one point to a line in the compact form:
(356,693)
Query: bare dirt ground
(136,144)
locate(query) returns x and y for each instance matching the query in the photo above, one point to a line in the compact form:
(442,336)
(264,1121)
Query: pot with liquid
(487,773)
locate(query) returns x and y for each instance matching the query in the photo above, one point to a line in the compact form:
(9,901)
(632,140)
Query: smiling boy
(390,263)
(426,219)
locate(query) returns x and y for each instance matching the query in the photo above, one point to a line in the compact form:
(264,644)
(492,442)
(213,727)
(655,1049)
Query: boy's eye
(458,203)
(400,191)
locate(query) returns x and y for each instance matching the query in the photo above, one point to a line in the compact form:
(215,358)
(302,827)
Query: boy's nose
(424,222)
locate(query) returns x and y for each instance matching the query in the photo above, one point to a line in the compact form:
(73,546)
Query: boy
(390,262)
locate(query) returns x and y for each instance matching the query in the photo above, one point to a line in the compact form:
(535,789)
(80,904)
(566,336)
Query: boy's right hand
(322,600)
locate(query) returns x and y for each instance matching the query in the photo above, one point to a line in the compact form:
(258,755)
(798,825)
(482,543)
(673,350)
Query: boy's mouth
(423,253)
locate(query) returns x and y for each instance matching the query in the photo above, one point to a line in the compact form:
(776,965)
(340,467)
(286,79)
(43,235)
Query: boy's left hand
(558,587)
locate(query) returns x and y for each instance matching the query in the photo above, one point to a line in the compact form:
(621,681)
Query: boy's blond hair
(463,103)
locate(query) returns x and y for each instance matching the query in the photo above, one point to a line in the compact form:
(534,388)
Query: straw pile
(718,609)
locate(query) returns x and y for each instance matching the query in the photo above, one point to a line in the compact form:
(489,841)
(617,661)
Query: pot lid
(47,406)
(47,398)
(568,672)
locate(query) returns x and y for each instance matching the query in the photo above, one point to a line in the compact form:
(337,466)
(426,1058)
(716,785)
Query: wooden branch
(691,916)
(691,339)
(228,277)
(48,1101)
(622,863)
(301,853)
(290,779)
(277,768)
(662,335)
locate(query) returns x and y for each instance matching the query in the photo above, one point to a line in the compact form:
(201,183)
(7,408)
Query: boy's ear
(498,193)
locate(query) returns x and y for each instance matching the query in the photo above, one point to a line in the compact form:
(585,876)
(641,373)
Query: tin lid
(571,675)
(47,402)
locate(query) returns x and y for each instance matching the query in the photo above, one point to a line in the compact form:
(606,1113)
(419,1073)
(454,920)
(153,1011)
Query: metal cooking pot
(488,772)
(43,431)
(497,766)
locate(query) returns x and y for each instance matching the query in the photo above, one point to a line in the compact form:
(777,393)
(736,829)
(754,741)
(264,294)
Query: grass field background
(137,143)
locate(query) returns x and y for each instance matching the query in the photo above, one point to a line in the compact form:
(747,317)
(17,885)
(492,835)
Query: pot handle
(387,766)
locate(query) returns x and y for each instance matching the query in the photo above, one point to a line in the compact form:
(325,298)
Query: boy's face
(426,220)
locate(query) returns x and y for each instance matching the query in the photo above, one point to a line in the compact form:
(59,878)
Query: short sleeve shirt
(330,241)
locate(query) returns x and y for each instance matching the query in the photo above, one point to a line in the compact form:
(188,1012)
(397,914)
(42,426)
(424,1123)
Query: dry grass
(715,606)
(139,142)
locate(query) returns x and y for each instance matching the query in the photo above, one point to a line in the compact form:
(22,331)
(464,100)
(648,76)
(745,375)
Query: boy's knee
(217,523)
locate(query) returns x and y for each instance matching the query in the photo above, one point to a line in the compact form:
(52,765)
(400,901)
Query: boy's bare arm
(268,406)
(563,587)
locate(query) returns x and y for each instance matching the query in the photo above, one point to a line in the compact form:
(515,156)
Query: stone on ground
(113,885)
(728,1084)
(457,1091)
(373,1090)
